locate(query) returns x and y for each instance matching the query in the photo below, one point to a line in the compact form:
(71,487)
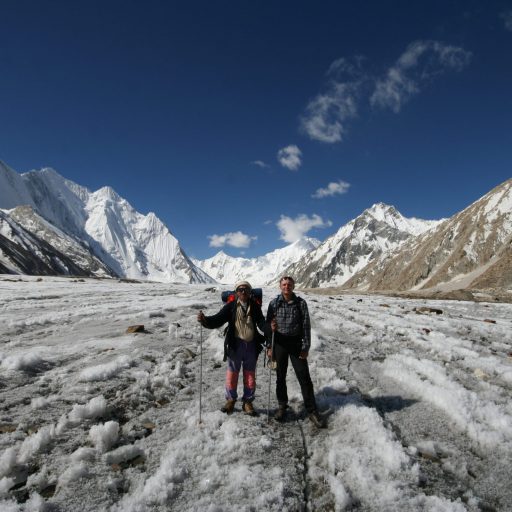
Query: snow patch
(95,408)
(105,371)
(73,473)
(104,436)
(22,362)
(36,443)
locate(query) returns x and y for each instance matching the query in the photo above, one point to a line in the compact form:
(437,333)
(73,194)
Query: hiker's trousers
(289,347)
(243,355)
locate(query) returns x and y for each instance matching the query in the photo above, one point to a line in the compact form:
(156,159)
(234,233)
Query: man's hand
(303,354)
(200,317)
(273,325)
(269,353)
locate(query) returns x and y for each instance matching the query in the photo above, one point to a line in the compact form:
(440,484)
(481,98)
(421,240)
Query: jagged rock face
(13,191)
(376,232)
(23,252)
(74,249)
(58,200)
(469,250)
(135,245)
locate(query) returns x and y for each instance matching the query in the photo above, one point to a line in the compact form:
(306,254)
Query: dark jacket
(228,314)
(292,319)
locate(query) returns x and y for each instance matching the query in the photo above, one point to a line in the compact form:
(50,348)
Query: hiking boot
(229,407)
(317,420)
(248,409)
(280,413)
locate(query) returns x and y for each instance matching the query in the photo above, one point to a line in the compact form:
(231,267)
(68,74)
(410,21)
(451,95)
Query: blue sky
(245,124)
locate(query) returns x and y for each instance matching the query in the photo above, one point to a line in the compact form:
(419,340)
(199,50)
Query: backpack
(256,295)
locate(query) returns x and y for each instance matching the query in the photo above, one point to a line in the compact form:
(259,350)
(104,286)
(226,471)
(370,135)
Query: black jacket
(228,314)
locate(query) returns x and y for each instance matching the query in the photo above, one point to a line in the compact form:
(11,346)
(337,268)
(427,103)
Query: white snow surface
(417,405)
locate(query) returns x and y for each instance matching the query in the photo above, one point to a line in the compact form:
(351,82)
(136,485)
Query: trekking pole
(200,371)
(269,362)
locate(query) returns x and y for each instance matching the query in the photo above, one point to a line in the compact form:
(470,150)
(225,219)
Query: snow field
(108,421)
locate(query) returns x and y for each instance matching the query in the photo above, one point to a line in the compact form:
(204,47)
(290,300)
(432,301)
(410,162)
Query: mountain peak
(50,171)
(258,271)
(381,211)
(306,243)
(107,192)
(376,231)
(47,173)
(381,206)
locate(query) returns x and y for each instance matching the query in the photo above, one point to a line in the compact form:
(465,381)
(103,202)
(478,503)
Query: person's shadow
(331,400)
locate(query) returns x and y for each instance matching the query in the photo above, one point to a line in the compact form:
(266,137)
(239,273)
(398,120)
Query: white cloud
(421,61)
(294,229)
(238,239)
(260,163)
(335,187)
(290,157)
(326,115)
(343,70)
(507,18)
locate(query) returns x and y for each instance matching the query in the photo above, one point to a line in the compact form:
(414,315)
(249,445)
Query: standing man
(241,345)
(288,316)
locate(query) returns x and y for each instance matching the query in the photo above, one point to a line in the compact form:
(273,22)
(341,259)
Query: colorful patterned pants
(244,354)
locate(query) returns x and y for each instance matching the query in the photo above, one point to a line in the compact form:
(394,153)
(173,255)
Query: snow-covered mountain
(258,271)
(472,249)
(23,252)
(379,230)
(135,245)
(131,244)
(49,224)
(47,249)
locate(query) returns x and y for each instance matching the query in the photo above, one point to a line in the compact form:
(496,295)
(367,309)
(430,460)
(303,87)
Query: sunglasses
(242,289)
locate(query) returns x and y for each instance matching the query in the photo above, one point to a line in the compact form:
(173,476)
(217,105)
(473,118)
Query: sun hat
(242,283)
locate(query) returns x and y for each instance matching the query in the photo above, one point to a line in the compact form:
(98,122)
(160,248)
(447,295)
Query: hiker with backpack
(242,344)
(288,317)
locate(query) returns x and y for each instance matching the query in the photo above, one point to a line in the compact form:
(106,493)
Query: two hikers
(288,323)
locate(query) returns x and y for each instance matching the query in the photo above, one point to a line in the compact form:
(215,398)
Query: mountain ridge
(377,231)
(259,271)
(132,245)
(472,239)
(68,228)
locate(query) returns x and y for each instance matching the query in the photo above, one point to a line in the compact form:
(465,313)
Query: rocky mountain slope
(472,249)
(42,249)
(72,247)
(378,231)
